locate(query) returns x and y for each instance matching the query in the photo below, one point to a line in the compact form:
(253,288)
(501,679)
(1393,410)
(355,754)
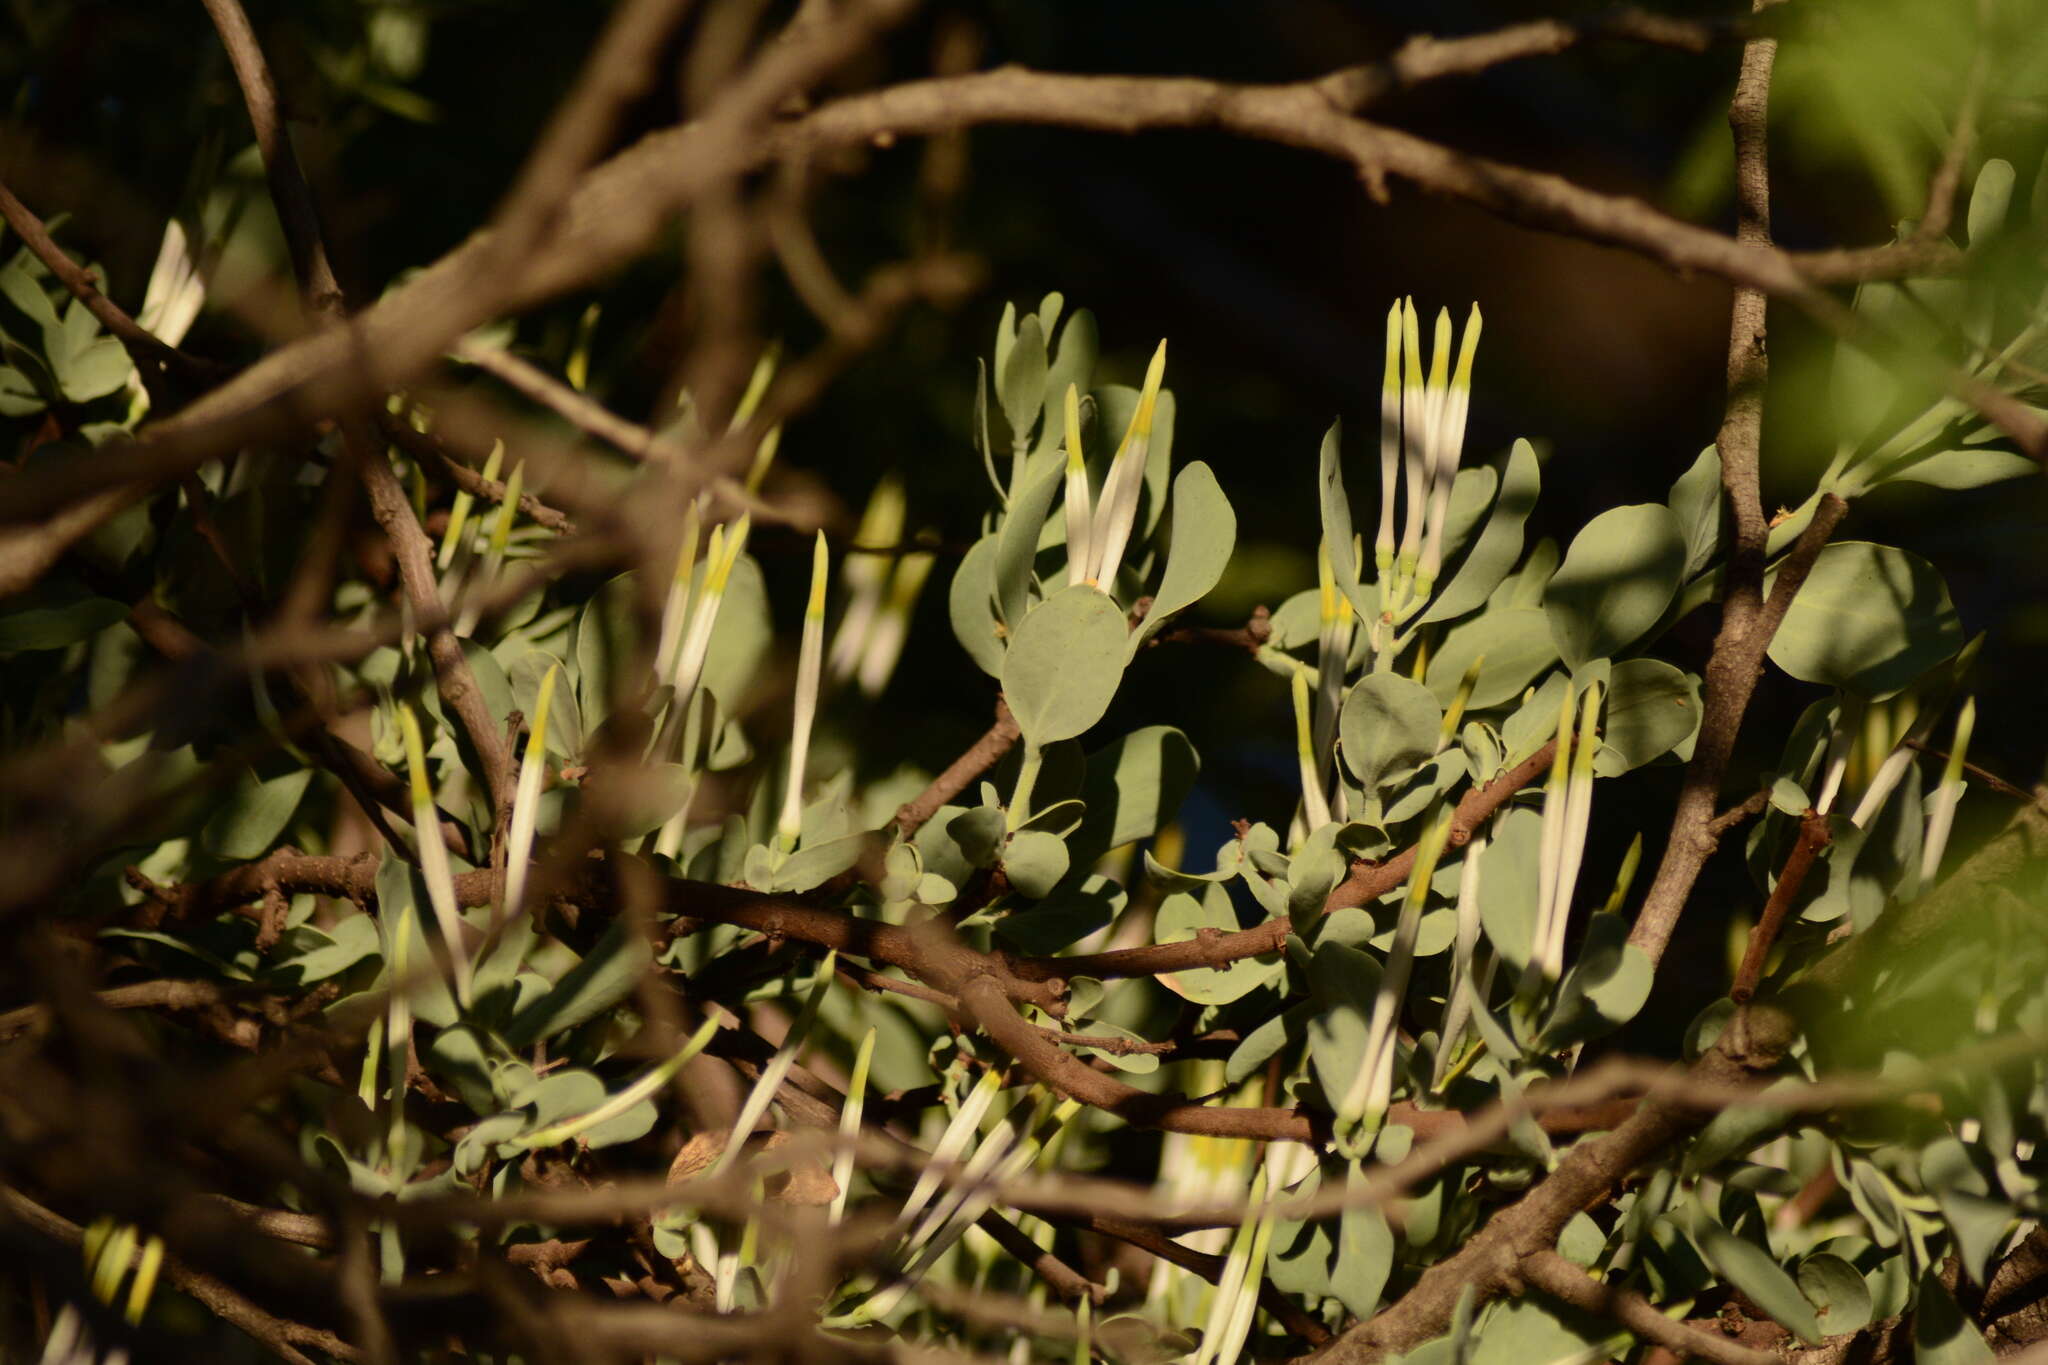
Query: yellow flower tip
(415,756)
(714,553)
(1411,342)
(1148,399)
(1462,379)
(1392,378)
(821,566)
(1299,685)
(882,521)
(733,545)
(1440,350)
(537,729)
(1075,459)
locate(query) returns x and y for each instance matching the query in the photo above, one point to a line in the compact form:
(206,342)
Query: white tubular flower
(809,668)
(1372,1089)
(1390,443)
(1892,770)
(426,824)
(885,641)
(453,542)
(526,800)
(866,575)
(722,554)
(1556,817)
(1458,1003)
(1415,449)
(1841,739)
(1333,650)
(501,537)
(849,1126)
(1237,1272)
(1315,807)
(1578,818)
(1447,436)
(1941,817)
(171,300)
(677,610)
(1110,531)
(1078,516)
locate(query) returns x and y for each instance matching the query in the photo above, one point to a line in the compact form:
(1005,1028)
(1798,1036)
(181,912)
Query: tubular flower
(1109,530)
(810,666)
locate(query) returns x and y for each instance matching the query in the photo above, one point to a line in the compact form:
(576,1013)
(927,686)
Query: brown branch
(170,994)
(619,206)
(986,1002)
(1151,1240)
(280,1336)
(1250,637)
(1746,630)
(375,787)
(621,69)
(1948,176)
(1562,1280)
(980,756)
(423,447)
(452,674)
(1813,837)
(388,503)
(1749,808)
(1423,58)
(1490,1261)
(1985,775)
(288,188)
(1366,883)
(577,409)
(153,359)
(1070,1284)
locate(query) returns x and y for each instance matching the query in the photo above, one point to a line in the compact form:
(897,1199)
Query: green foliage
(1437,924)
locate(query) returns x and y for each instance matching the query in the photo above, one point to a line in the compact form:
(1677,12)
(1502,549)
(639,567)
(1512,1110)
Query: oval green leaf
(1616,580)
(1868,619)
(1064,663)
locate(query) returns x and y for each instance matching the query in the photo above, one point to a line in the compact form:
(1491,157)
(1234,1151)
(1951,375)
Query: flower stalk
(1941,814)
(1365,1106)
(526,797)
(434,869)
(809,672)
(1315,807)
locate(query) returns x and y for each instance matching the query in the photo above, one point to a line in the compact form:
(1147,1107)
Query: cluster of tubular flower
(1198,1170)
(1567,814)
(1099,523)
(1948,792)
(695,596)
(1422,435)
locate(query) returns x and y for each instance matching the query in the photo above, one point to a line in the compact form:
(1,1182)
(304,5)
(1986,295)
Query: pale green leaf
(1064,663)
(1204,533)
(1617,578)
(1869,619)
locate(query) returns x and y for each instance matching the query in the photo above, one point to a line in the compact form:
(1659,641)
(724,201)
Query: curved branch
(1366,883)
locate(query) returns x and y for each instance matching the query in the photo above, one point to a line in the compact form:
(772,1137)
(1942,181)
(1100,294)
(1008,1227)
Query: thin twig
(1813,837)
(1562,1280)
(979,757)
(280,1336)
